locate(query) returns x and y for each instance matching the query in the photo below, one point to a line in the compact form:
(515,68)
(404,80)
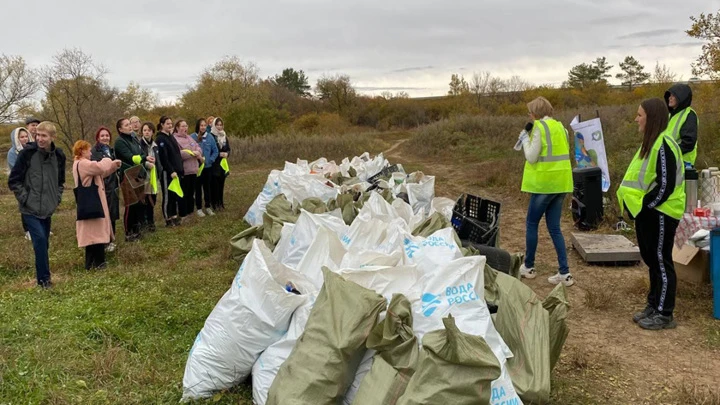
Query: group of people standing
(652,191)
(186,169)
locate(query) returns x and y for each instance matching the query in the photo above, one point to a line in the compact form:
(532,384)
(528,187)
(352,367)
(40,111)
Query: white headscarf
(16,138)
(221,137)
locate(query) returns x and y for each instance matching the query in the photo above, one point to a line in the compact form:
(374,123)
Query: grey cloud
(648,34)
(413,69)
(402,43)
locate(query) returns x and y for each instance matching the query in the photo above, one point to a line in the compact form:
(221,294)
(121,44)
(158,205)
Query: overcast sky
(396,45)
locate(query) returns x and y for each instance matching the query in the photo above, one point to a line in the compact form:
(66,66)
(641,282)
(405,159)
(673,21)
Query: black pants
(94,255)
(149,214)
(218,191)
(112,224)
(655,234)
(188,187)
(171,201)
(207,186)
(199,188)
(133,218)
(25,228)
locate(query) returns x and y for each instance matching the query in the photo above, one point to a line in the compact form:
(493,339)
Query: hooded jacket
(16,146)
(689,130)
(38,180)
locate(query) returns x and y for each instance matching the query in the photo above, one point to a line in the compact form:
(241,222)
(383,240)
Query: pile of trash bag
(359,297)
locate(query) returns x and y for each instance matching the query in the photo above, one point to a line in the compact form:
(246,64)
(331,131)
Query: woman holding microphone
(548,178)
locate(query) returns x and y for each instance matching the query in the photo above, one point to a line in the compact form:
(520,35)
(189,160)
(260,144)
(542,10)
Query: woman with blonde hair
(548,178)
(95,233)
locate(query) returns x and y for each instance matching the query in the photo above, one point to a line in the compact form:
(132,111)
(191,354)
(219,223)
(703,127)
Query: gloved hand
(524,136)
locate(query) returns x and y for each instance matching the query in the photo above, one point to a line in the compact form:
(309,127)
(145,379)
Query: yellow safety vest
(641,178)
(676,122)
(552,173)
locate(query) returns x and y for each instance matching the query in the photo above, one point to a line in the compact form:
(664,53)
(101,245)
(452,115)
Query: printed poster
(590,147)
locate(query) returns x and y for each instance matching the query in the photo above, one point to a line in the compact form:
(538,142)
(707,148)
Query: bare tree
(17,84)
(479,85)
(662,74)
(77,97)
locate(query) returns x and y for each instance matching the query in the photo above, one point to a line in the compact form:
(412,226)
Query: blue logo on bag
(410,247)
(238,284)
(430,303)
(455,295)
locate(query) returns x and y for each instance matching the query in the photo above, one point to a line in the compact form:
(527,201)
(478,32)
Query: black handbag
(87,199)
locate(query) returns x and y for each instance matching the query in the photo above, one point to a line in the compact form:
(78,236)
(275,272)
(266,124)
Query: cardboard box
(692,264)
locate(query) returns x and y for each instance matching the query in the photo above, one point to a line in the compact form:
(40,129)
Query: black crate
(476,220)
(386,172)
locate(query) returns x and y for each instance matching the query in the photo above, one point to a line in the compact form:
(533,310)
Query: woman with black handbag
(102,150)
(92,227)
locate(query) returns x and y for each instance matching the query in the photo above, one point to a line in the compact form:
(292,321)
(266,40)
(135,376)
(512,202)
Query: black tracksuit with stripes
(171,162)
(656,233)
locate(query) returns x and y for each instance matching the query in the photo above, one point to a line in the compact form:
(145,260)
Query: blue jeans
(549,205)
(40,232)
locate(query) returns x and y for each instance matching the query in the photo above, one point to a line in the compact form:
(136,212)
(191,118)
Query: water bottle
(691,190)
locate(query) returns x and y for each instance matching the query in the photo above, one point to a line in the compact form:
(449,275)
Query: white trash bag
(254,216)
(457,288)
(253,314)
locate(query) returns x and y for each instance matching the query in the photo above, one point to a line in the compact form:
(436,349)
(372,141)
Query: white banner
(590,147)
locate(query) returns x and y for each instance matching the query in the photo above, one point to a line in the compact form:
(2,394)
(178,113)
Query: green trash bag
(455,369)
(533,329)
(557,306)
(432,224)
(396,359)
(241,244)
(325,358)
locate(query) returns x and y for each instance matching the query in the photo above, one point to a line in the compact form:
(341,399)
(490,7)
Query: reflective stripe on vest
(676,128)
(641,185)
(550,157)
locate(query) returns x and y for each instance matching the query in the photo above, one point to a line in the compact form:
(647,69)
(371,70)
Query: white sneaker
(209,211)
(110,247)
(566,279)
(27,236)
(200,213)
(527,273)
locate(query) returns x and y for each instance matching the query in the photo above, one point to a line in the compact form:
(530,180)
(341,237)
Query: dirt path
(607,358)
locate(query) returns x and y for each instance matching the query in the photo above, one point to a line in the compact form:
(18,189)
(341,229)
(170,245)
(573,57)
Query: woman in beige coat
(93,234)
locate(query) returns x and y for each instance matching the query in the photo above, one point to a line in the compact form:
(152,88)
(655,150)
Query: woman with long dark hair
(172,168)
(653,194)
(192,158)
(147,130)
(219,167)
(131,154)
(102,150)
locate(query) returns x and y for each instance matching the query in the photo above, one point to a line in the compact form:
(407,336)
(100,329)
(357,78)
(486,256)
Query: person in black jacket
(683,121)
(38,180)
(171,162)
(102,149)
(131,154)
(218,172)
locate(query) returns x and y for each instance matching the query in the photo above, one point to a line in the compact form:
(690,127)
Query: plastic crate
(386,172)
(476,219)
